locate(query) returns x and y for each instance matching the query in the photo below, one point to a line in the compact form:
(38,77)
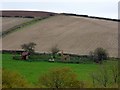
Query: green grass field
(32,70)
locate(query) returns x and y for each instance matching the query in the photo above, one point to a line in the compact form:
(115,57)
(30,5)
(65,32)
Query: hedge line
(21,26)
(102,18)
(42,53)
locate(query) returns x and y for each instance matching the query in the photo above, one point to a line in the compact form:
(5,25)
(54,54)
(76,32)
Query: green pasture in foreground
(32,70)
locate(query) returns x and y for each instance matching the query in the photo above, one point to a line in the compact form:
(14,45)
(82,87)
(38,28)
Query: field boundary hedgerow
(46,57)
(23,25)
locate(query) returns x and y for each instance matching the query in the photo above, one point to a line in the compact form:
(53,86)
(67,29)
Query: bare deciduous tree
(54,50)
(29,47)
(101,77)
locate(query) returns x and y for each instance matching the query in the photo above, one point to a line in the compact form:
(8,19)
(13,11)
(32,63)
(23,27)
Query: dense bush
(60,78)
(106,76)
(99,54)
(12,79)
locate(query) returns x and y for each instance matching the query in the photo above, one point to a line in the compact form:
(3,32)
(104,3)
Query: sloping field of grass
(72,34)
(32,70)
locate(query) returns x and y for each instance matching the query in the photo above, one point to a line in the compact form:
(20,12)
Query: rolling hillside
(72,34)
(15,13)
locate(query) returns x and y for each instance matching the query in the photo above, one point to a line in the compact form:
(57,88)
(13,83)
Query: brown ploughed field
(72,34)
(9,22)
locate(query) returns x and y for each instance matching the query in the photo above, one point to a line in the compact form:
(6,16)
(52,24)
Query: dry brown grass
(72,35)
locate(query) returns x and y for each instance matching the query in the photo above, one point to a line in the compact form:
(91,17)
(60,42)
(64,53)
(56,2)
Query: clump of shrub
(60,78)
(12,79)
(98,55)
(106,76)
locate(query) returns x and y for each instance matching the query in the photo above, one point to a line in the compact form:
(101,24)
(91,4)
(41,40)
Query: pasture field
(33,70)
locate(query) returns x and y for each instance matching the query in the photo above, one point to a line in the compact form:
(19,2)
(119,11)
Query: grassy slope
(32,70)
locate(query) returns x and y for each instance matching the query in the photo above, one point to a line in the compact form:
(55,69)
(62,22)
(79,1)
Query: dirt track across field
(78,35)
